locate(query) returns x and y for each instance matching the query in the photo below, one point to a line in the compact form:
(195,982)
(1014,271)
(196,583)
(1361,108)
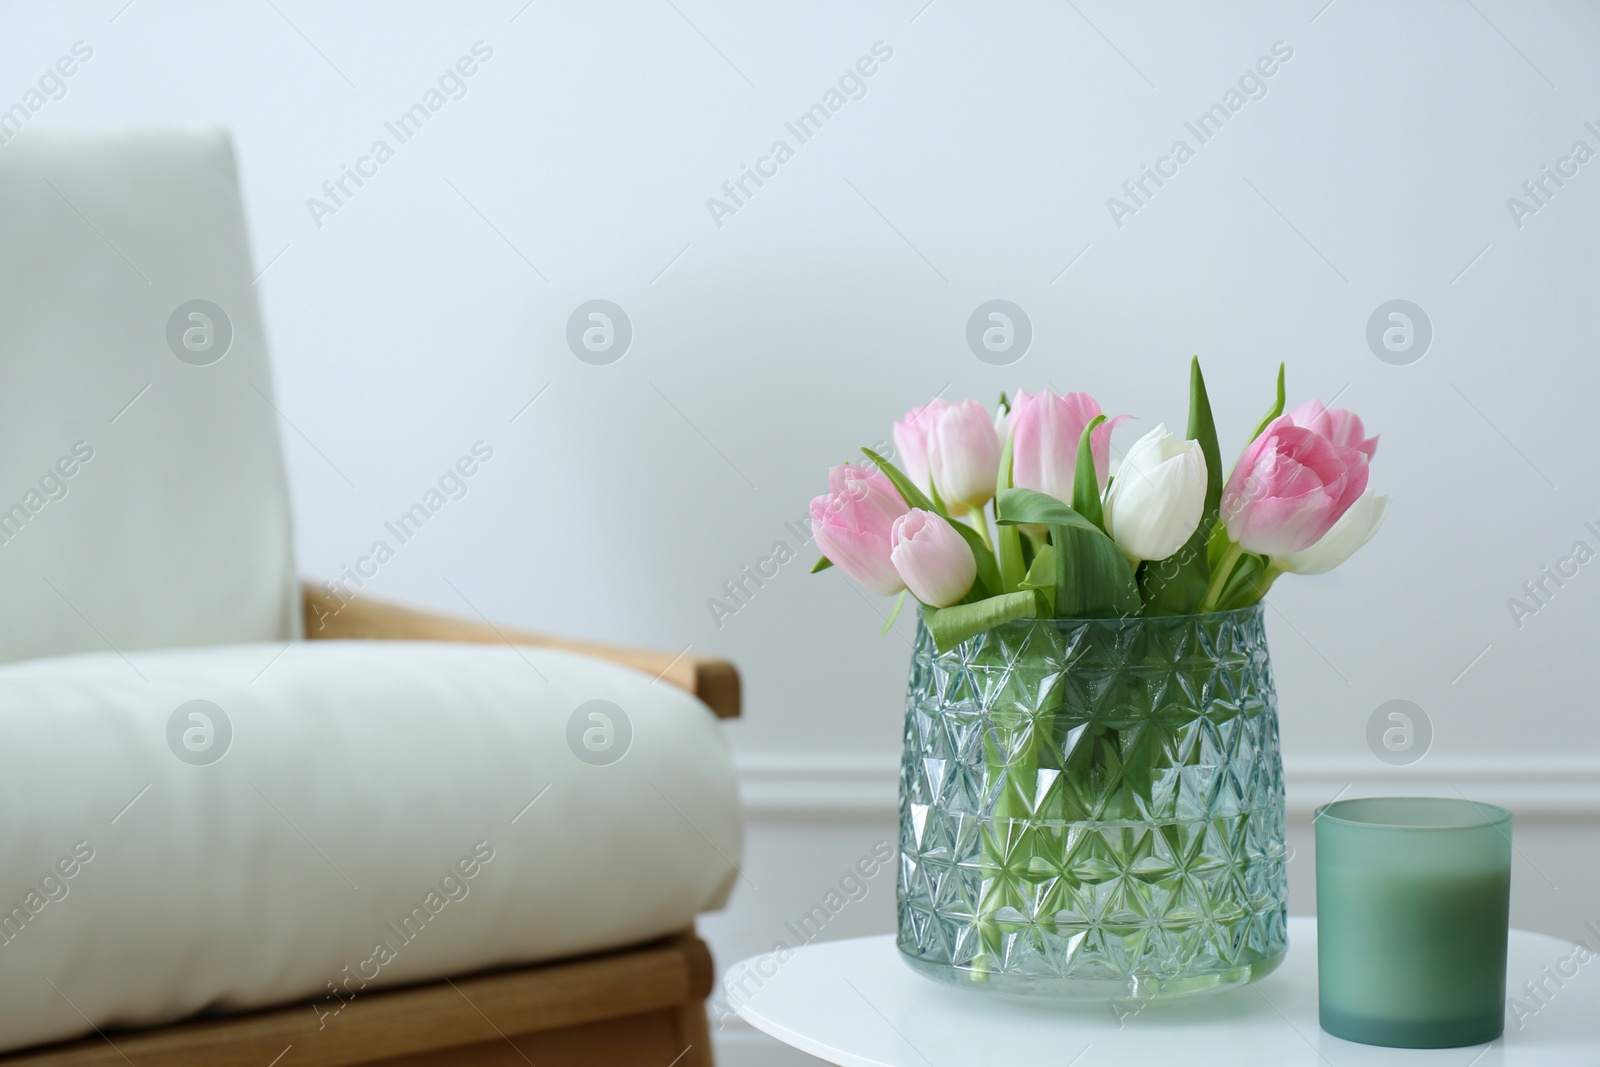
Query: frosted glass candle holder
(1413,899)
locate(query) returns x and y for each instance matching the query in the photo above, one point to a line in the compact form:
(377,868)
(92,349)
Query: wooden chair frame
(642,1005)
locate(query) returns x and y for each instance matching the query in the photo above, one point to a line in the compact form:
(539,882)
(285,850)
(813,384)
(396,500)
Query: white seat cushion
(139,886)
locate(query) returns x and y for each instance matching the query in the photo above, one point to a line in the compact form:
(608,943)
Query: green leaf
(1093,578)
(1085,482)
(1177,585)
(1139,755)
(914,497)
(1241,582)
(1248,583)
(1033,539)
(1016,506)
(988,581)
(953,625)
(1276,409)
(1042,575)
(1203,428)
(1217,545)
(894,612)
(1002,479)
(822,564)
(1008,539)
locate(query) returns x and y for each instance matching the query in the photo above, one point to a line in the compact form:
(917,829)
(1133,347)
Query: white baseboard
(1535,788)
(846,787)
(818,787)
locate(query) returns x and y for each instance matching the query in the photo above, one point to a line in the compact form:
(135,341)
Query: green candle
(1413,896)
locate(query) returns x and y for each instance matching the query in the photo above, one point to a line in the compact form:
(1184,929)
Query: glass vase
(1094,808)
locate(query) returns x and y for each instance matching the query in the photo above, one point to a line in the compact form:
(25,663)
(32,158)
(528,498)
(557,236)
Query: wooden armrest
(714,681)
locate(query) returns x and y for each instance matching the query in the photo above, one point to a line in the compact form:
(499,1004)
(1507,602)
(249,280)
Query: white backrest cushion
(142,495)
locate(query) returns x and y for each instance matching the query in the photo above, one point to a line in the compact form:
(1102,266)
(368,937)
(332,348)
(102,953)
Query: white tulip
(1354,529)
(1156,500)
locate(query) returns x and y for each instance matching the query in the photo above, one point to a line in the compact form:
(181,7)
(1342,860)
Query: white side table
(855,1003)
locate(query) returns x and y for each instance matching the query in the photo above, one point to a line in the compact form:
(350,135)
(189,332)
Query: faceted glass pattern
(1094,808)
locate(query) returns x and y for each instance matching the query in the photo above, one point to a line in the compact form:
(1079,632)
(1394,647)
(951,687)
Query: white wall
(427,312)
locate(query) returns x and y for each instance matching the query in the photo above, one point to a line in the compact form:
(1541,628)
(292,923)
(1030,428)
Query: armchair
(364,776)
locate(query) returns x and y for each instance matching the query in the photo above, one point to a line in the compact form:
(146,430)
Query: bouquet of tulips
(990,518)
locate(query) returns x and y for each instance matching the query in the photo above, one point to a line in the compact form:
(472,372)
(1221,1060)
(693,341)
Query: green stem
(1219,580)
(1008,837)
(1008,553)
(1260,586)
(1244,590)
(976,519)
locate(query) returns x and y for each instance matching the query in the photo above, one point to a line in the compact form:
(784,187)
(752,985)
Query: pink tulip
(965,456)
(1338,425)
(934,560)
(1046,429)
(913,439)
(1289,488)
(952,445)
(851,523)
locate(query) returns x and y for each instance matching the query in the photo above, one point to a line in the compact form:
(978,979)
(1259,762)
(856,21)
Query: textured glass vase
(1094,808)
